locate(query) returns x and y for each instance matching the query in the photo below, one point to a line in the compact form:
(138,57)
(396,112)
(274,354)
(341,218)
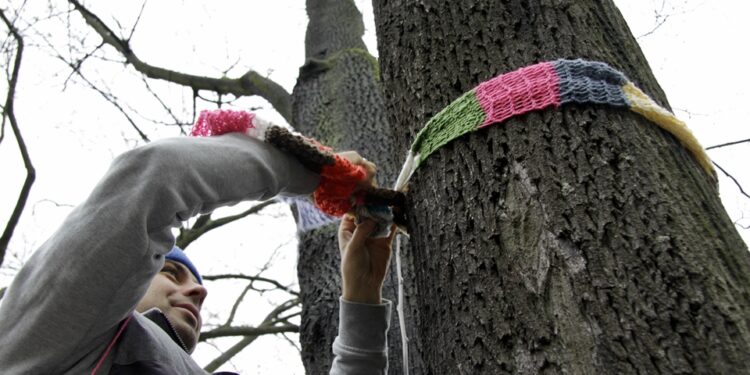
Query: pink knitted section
(222,121)
(527,89)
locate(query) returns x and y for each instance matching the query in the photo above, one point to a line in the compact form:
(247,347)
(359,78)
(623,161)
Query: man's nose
(196,292)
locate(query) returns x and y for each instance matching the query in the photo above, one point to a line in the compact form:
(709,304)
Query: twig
(33,208)
(728,144)
(138,19)
(275,283)
(219,102)
(266,327)
(187,236)
(10,114)
(291,342)
(733,179)
(237,304)
(165,107)
(112,100)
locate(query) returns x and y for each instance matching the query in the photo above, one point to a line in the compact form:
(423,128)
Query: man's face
(177,293)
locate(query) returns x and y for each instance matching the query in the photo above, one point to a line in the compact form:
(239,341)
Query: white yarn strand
(400,308)
(410,164)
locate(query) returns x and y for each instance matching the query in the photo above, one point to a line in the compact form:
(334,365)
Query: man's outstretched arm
(66,302)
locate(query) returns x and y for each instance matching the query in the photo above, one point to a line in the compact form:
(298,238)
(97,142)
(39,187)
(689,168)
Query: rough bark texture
(582,240)
(337,100)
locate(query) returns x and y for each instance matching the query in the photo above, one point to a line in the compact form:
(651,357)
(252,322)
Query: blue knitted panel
(589,82)
(309,217)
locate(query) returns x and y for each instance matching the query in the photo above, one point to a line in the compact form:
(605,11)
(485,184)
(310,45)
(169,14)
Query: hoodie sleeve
(361,346)
(66,302)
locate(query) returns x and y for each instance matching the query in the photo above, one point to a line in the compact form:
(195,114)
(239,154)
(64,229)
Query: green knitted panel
(460,117)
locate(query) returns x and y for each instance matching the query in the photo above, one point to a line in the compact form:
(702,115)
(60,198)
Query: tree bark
(338,101)
(578,240)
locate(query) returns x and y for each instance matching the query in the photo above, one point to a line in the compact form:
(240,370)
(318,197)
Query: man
(108,293)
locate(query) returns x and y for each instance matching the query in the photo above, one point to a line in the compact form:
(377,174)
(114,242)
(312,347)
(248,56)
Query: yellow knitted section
(646,107)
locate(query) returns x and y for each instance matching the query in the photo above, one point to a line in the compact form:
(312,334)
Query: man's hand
(369,166)
(364,260)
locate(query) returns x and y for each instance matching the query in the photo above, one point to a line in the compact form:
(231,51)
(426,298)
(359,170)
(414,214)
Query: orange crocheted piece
(335,192)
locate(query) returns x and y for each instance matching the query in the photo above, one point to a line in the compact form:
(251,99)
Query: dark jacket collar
(161,320)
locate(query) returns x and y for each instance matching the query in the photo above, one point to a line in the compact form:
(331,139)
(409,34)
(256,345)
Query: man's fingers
(355,158)
(361,234)
(392,235)
(347,223)
(352,156)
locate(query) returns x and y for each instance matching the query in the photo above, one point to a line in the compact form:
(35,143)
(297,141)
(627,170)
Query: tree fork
(581,239)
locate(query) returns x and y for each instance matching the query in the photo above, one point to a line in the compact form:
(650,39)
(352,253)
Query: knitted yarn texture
(531,88)
(339,177)
(536,87)
(337,191)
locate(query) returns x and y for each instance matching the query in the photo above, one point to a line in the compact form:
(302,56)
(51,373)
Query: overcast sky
(73,134)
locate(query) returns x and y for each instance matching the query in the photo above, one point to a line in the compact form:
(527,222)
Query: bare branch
(266,327)
(237,304)
(251,333)
(112,100)
(733,179)
(229,354)
(728,144)
(737,222)
(205,224)
(135,24)
(8,111)
(251,83)
(248,331)
(166,108)
(290,316)
(33,208)
(659,19)
(275,283)
(292,343)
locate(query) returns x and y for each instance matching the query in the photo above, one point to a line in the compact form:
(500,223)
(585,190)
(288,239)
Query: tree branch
(252,278)
(248,331)
(237,304)
(733,179)
(266,327)
(728,144)
(112,100)
(251,83)
(251,333)
(205,224)
(229,354)
(8,111)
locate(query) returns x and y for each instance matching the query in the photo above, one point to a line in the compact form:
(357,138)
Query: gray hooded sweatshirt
(63,310)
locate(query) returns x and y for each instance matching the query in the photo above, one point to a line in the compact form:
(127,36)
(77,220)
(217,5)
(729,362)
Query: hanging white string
(400,308)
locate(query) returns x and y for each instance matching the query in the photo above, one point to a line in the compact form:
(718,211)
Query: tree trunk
(579,240)
(338,101)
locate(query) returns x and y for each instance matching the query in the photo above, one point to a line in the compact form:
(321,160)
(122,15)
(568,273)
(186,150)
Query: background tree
(338,101)
(578,240)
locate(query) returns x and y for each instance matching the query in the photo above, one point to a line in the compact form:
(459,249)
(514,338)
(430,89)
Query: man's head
(177,291)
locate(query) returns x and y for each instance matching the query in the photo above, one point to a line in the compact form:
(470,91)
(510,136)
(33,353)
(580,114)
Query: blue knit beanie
(177,255)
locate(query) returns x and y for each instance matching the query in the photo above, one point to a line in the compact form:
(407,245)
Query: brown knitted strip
(387,197)
(383,197)
(308,154)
